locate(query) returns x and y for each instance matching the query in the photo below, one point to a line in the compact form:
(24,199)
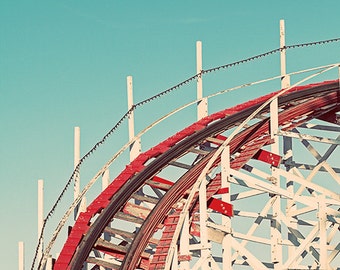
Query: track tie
(136,210)
(180,165)
(129,218)
(103,263)
(145,198)
(114,232)
(106,245)
(160,183)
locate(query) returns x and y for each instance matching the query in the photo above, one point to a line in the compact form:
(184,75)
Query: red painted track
(141,250)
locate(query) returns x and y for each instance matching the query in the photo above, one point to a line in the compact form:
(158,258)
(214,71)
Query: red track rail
(90,224)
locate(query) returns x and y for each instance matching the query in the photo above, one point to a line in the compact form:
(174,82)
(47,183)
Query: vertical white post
(285,79)
(226,221)
(205,251)
(107,237)
(274,128)
(81,207)
(291,205)
(40,216)
(135,147)
(276,248)
(174,265)
(21,256)
(202,105)
(130,104)
(76,190)
(184,244)
(323,261)
(49,263)
(105,179)
(105,184)
(287,142)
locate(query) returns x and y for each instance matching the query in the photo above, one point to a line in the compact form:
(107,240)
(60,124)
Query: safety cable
(167,91)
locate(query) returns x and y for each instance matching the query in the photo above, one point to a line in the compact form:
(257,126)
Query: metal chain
(167,91)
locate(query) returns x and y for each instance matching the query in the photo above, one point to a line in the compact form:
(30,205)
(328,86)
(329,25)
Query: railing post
(40,217)
(226,221)
(202,104)
(322,217)
(285,79)
(76,158)
(205,250)
(81,207)
(21,256)
(135,147)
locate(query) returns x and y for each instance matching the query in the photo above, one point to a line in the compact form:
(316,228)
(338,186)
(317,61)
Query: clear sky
(64,64)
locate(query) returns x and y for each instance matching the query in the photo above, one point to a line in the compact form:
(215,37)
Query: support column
(323,260)
(202,104)
(276,248)
(291,205)
(76,158)
(21,256)
(184,244)
(81,207)
(105,184)
(285,79)
(105,179)
(49,263)
(276,237)
(287,142)
(135,147)
(205,250)
(40,217)
(226,221)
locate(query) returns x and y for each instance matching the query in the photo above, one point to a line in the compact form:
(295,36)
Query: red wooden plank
(268,157)
(223,191)
(221,207)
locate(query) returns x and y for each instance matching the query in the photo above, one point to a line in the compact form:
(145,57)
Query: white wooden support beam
(49,263)
(105,179)
(302,247)
(202,105)
(254,183)
(308,137)
(81,206)
(285,79)
(205,251)
(174,265)
(76,156)
(21,256)
(254,227)
(226,221)
(40,217)
(274,126)
(306,183)
(105,184)
(135,147)
(251,259)
(184,245)
(322,218)
(291,204)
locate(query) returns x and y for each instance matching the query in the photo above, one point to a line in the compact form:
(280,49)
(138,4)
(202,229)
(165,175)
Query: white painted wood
(202,105)
(40,216)
(21,256)
(135,147)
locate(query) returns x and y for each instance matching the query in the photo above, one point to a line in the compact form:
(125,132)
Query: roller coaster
(252,186)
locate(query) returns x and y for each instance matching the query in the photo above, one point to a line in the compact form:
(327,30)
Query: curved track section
(131,224)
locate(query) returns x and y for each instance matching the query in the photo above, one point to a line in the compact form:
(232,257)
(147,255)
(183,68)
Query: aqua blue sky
(64,63)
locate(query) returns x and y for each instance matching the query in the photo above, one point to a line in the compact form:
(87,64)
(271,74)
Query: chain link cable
(143,102)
